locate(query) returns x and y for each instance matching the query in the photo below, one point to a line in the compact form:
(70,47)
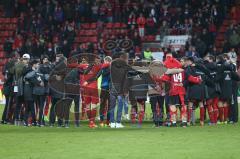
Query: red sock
(225,113)
(89,114)
(211,113)
(133,116)
(215,114)
(215,109)
(221,111)
(141,116)
(93,114)
(190,114)
(83,109)
(183,113)
(48,101)
(202,113)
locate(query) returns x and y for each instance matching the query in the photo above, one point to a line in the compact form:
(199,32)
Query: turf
(219,142)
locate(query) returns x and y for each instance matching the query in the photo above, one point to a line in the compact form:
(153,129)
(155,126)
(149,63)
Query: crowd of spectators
(50,26)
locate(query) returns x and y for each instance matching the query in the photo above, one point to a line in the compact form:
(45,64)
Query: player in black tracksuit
(228,75)
(138,87)
(197,93)
(233,115)
(213,90)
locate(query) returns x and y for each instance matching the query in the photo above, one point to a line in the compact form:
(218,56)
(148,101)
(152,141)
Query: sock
(133,115)
(210,113)
(190,110)
(193,119)
(202,113)
(226,113)
(184,113)
(89,114)
(221,111)
(46,108)
(83,109)
(141,116)
(215,109)
(173,116)
(93,114)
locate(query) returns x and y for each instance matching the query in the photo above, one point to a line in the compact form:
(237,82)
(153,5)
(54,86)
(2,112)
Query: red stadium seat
(220,37)
(223,29)
(1,47)
(2,27)
(150,38)
(94,32)
(83,39)
(123,25)
(7,20)
(1,54)
(92,39)
(88,32)
(85,26)
(81,32)
(2,39)
(77,39)
(226,22)
(109,25)
(218,44)
(93,25)
(117,25)
(14,20)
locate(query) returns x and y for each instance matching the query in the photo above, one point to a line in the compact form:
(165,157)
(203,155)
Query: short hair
(34,61)
(184,58)
(119,54)
(220,58)
(108,58)
(44,57)
(122,54)
(85,57)
(226,56)
(190,59)
(211,57)
(116,55)
(62,59)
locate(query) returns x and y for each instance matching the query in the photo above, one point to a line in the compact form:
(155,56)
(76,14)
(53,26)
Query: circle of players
(209,84)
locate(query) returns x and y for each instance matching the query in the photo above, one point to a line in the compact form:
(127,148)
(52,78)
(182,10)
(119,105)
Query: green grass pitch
(208,142)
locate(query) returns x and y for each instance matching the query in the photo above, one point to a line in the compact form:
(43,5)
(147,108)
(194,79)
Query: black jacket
(30,80)
(119,70)
(56,85)
(45,70)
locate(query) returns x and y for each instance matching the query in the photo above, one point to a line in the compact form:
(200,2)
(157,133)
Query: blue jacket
(105,78)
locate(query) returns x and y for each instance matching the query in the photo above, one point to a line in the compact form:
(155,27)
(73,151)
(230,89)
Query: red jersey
(90,75)
(177,82)
(141,21)
(82,76)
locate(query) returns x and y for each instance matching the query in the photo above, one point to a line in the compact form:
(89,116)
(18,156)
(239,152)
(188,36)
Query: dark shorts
(174,100)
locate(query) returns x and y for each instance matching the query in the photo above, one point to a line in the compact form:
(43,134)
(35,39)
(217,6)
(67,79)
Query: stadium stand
(47,27)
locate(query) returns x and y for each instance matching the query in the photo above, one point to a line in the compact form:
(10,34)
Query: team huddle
(33,86)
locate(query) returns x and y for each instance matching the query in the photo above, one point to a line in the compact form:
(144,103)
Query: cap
(26,56)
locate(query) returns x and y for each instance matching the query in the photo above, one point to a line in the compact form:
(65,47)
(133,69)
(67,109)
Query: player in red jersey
(90,87)
(85,65)
(177,90)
